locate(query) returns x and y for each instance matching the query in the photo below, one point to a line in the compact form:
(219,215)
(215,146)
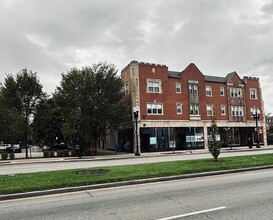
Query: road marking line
(192,213)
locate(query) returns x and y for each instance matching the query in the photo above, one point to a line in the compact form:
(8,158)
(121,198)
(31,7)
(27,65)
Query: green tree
(270,135)
(91,100)
(269,132)
(11,125)
(23,93)
(48,122)
(214,145)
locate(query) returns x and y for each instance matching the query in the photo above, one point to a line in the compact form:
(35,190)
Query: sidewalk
(127,155)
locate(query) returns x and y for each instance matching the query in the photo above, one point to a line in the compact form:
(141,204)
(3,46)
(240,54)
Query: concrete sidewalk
(128,155)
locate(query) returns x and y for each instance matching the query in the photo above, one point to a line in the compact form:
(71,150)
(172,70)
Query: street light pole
(136,111)
(255,115)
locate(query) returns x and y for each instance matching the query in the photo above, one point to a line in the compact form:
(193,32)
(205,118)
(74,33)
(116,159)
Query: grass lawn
(79,177)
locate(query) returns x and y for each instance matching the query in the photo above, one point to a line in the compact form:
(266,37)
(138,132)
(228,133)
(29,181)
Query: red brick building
(178,106)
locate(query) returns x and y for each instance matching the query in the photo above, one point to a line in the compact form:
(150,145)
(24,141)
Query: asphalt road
(232,196)
(19,167)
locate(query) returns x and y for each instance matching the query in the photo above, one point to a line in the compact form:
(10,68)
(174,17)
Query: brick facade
(160,93)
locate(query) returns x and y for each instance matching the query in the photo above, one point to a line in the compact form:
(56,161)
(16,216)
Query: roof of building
(215,79)
(174,74)
(228,77)
(218,79)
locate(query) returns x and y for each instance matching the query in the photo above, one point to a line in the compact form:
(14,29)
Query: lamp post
(255,115)
(136,111)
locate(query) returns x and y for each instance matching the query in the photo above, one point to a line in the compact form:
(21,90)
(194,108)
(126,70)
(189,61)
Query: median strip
(53,182)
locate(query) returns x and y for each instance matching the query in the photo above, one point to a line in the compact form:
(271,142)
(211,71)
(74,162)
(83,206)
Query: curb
(126,183)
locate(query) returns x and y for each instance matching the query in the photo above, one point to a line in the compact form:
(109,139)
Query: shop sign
(199,138)
(172,144)
(152,140)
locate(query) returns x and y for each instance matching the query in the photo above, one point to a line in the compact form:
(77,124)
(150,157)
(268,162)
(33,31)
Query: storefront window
(195,138)
(160,139)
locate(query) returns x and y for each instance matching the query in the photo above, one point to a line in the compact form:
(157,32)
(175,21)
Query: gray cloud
(219,36)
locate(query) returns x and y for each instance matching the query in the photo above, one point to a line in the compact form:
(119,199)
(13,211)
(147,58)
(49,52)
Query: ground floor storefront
(151,139)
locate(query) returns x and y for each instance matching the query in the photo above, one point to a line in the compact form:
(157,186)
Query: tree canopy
(20,96)
(48,122)
(91,100)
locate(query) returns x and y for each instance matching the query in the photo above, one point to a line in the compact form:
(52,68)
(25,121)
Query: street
(36,166)
(231,196)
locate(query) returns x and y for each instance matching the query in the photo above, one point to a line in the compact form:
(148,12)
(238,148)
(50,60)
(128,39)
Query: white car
(3,147)
(45,148)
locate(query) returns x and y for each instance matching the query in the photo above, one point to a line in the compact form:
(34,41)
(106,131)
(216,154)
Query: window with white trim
(178,87)
(179,108)
(154,108)
(253,93)
(208,90)
(236,92)
(209,110)
(223,110)
(193,89)
(154,86)
(240,92)
(237,111)
(222,91)
(194,109)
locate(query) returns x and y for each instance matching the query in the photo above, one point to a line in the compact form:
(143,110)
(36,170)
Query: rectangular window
(223,110)
(193,89)
(236,92)
(178,87)
(241,110)
(222,91)
(208,90)
(126,88)
(154,86)
(253,93)
(190,89)
(237,111)
(209,110)
(233,92)
(154,108)
(179,108)
(240,92)
(194,109)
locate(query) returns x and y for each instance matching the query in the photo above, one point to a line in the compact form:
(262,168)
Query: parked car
(15,148)
(45,148)
(61,146)
(3,147)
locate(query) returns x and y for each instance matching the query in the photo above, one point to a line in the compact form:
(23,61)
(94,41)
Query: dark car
(15,148)
(61,146)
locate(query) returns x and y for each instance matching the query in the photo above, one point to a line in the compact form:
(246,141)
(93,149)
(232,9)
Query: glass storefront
(163,139)
(235,136)
(183,138)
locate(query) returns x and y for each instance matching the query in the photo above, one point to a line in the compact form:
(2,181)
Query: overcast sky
(219,36)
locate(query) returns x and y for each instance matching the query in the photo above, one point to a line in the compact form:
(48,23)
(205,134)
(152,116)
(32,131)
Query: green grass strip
(19,183)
